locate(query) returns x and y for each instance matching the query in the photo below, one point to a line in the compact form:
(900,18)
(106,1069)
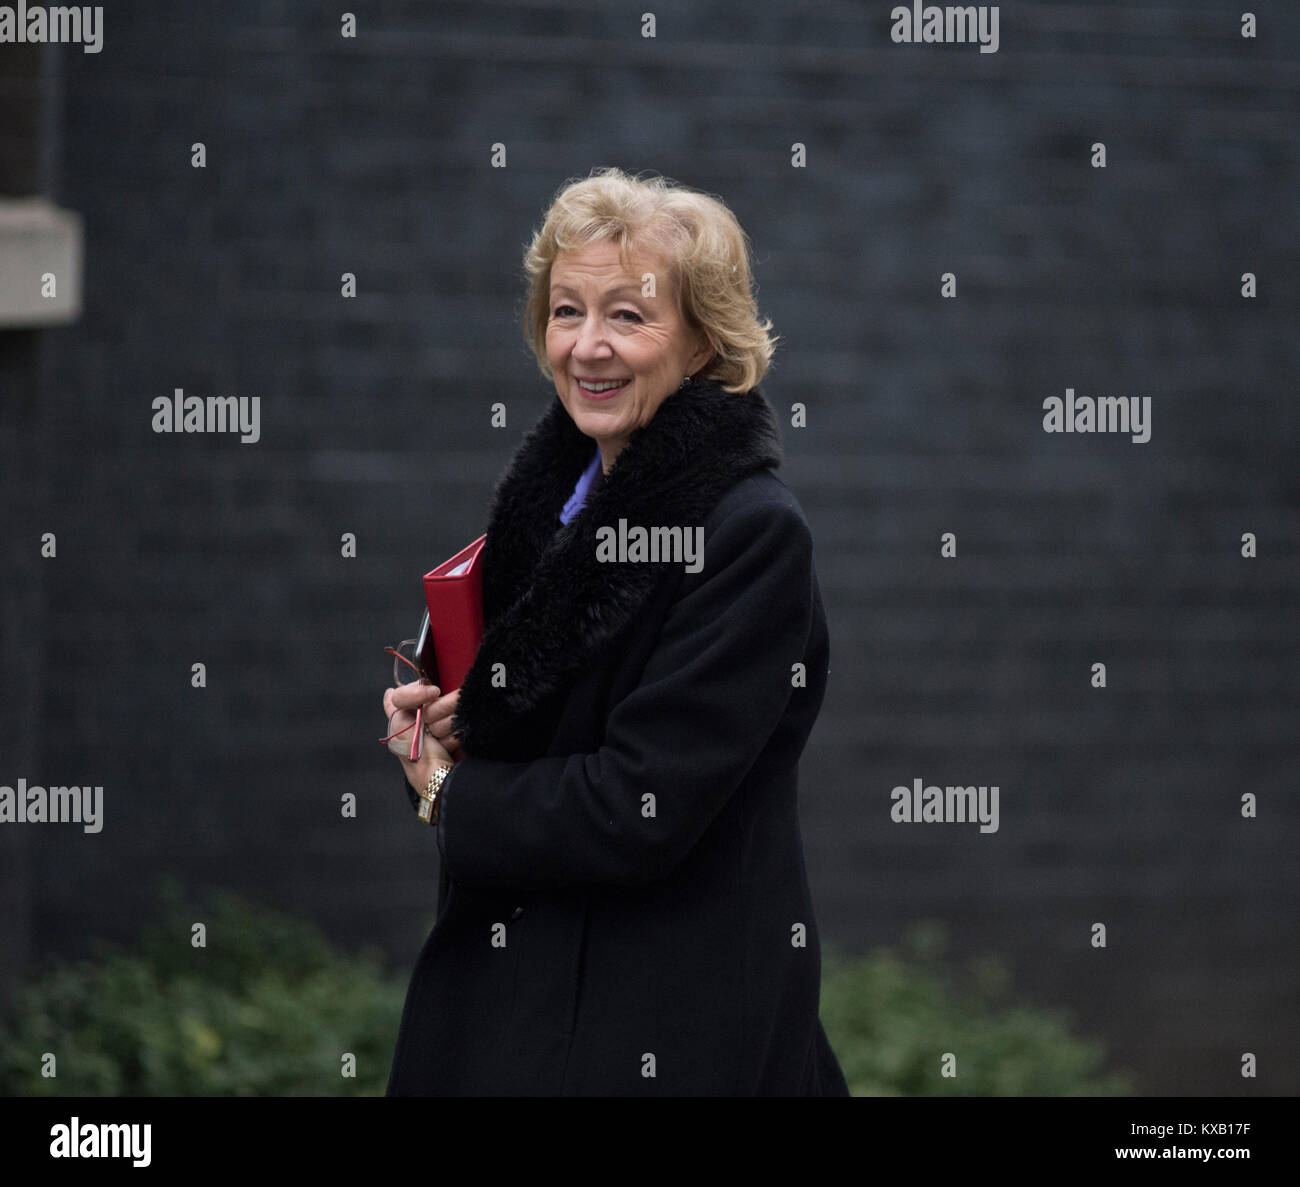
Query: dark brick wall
(20,129)
(21,591)
(326,156)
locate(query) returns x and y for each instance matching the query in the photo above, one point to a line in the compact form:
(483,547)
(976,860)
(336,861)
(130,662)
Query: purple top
(579,496)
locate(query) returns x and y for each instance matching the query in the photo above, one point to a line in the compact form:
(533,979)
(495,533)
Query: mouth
(601,389)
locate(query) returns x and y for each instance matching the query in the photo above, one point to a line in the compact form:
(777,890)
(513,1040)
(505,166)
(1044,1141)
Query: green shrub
(890,1018)
(268,1008)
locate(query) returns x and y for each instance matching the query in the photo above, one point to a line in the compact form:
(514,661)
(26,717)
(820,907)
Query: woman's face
(602,329)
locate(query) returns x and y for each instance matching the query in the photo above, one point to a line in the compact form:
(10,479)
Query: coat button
(516,913)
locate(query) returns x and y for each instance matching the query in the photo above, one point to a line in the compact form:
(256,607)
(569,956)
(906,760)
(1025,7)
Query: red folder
(454,594)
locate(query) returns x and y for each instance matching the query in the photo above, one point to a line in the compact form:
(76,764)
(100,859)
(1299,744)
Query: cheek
(655,352)
(645,353)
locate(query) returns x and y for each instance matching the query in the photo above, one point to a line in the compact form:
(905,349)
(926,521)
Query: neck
(608,454)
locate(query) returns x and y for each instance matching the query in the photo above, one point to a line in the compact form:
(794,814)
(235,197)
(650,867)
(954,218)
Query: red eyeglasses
(407,652)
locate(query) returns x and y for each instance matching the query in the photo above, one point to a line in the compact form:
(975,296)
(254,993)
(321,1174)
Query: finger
(415,694)
(449,742)
(444,706)
(410,696)
(443,729)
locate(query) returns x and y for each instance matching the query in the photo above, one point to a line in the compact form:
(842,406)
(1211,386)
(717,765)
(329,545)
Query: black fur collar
(549,605)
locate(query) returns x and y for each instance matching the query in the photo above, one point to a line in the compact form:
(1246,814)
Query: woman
(625,906)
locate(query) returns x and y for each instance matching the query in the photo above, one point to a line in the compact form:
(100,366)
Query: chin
(595,425)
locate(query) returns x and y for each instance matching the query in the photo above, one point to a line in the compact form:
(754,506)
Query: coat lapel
(549,605)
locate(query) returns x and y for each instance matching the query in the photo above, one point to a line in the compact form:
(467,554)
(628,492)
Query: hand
(440,745)
(437,721)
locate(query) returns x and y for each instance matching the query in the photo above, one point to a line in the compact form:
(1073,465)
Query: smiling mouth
(602,387)
(599,391)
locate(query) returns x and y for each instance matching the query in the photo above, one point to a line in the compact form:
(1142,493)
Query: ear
(703,355)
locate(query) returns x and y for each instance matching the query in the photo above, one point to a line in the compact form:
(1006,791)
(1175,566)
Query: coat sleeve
(675,748)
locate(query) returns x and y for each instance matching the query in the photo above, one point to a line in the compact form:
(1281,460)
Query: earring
(684,382)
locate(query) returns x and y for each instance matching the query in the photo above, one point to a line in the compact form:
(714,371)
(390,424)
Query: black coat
(624,906)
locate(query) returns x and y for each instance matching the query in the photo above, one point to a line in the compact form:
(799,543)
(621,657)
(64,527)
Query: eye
(560,312)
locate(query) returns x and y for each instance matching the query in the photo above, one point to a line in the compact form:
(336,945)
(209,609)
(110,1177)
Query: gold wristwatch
(428,809)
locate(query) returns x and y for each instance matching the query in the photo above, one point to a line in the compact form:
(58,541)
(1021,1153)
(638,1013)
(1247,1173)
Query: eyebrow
(622,288)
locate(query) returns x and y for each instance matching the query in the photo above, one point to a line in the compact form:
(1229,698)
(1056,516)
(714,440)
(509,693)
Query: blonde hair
(707,251)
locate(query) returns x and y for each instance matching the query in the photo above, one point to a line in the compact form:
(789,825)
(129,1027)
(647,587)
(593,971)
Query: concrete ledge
(38,241)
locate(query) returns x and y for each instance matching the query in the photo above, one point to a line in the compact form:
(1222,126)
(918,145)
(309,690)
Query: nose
(591,343)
